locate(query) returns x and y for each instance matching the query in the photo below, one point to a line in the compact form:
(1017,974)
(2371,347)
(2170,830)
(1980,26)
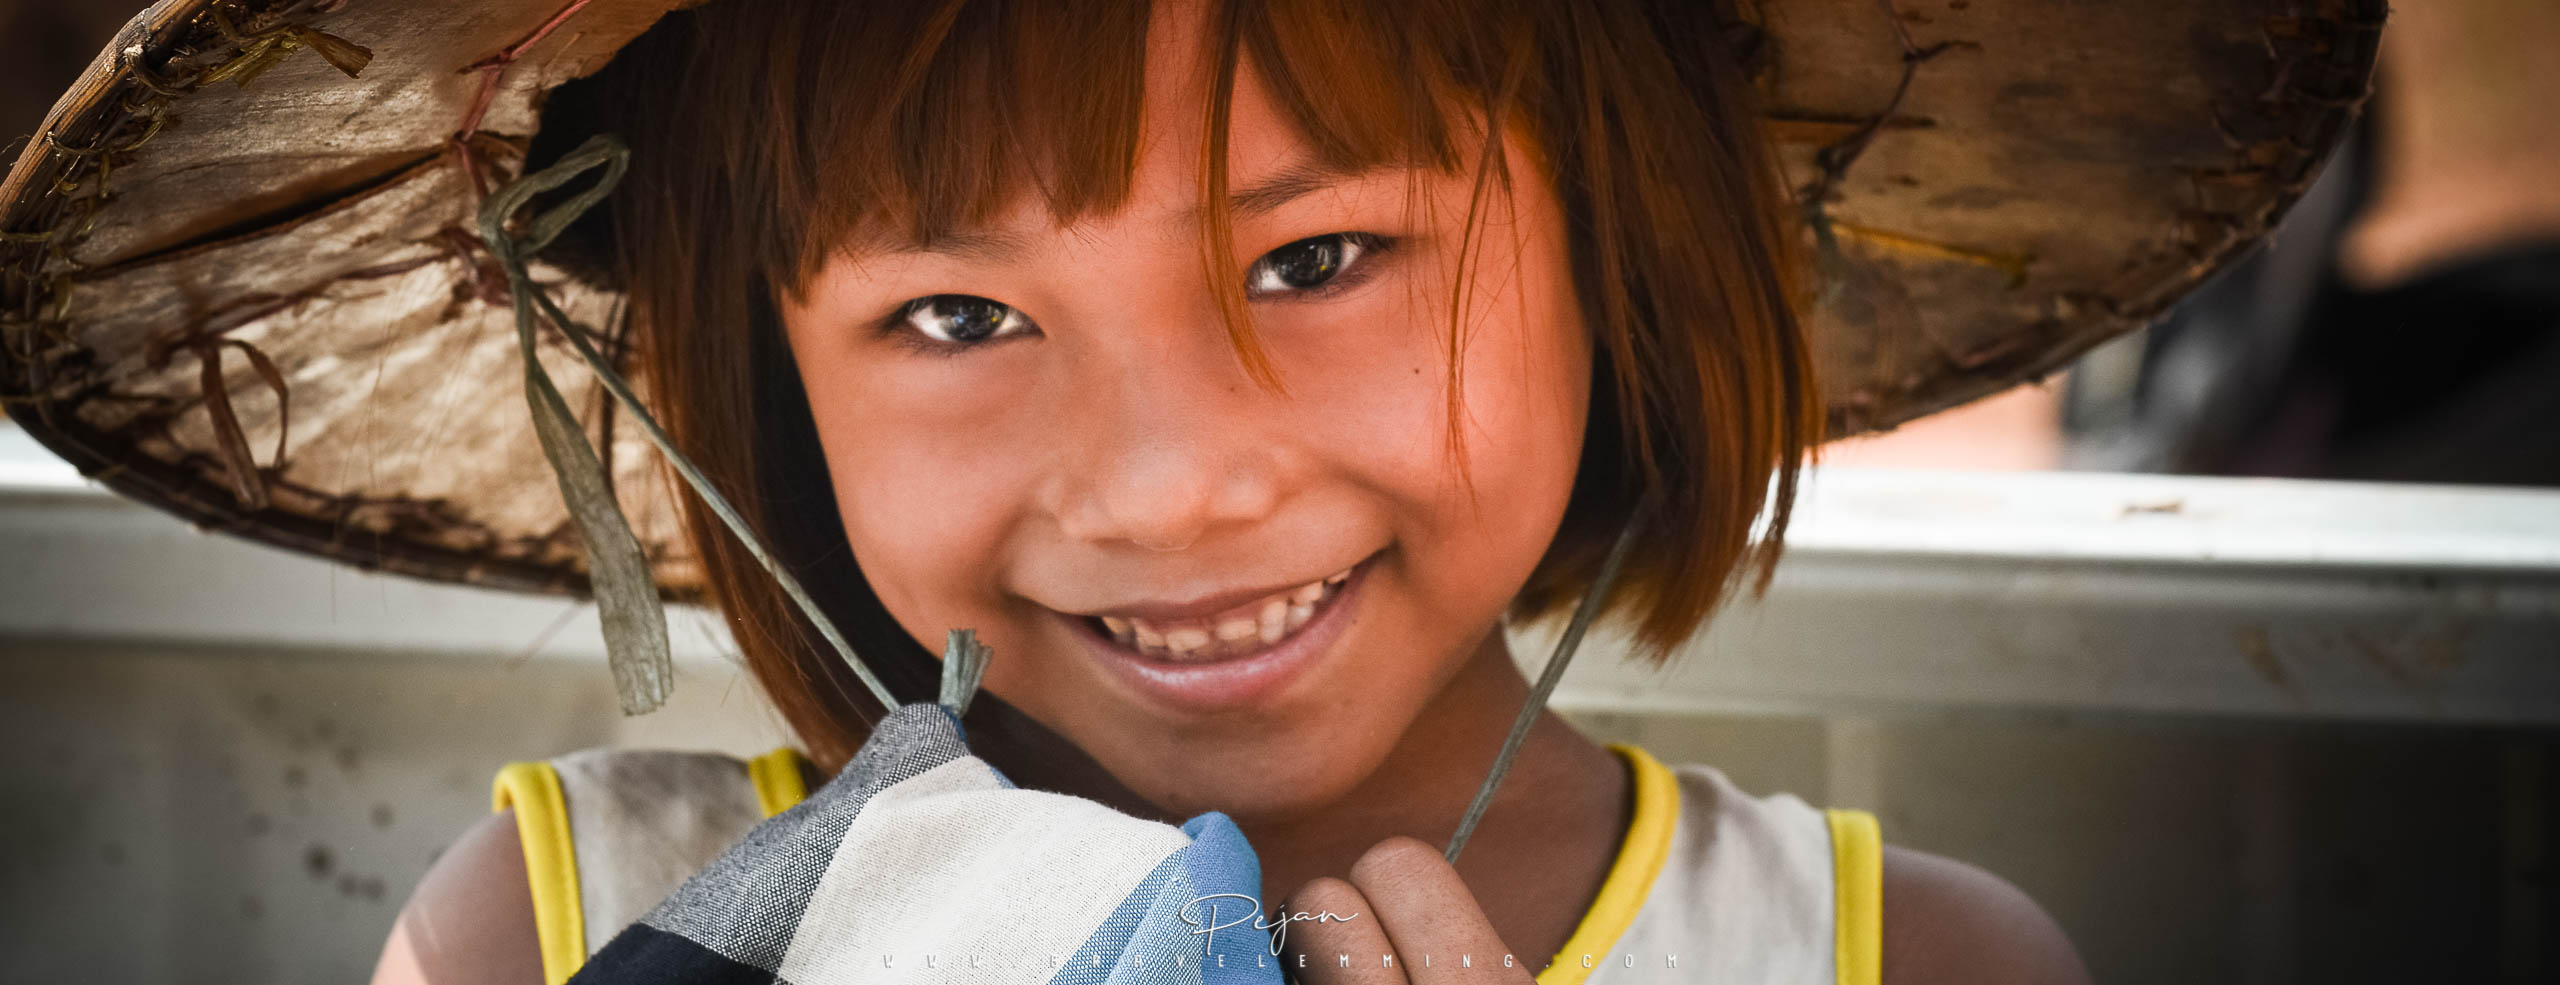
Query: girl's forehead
(1174,120)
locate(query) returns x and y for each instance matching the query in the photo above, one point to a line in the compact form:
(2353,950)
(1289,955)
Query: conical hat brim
(2053,174)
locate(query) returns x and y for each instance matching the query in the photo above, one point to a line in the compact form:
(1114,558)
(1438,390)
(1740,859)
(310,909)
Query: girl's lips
(1230,682)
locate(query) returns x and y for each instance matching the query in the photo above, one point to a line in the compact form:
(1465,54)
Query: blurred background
(2237,644)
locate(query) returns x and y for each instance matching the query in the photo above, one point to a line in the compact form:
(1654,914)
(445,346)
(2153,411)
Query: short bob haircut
(765,134)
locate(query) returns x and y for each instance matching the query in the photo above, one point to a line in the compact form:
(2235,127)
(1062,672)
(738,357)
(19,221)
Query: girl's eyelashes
(1309,269)
(949,323)
(1314,267)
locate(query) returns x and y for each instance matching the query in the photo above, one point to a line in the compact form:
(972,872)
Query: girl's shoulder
(1950,921)
(579,846)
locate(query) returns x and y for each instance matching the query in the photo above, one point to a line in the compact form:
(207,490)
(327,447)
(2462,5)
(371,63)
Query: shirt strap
(1857,897)
(532,789)
(778,780)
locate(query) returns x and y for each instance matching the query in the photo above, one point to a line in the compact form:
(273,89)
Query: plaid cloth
(921,863)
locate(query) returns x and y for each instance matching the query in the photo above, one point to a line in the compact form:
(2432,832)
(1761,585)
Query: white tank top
(1711,885)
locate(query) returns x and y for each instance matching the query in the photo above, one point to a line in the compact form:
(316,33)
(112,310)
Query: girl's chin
(1265,768)
(1264,789)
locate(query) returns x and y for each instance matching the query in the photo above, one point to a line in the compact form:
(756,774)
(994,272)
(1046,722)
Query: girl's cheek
(1380,373)
(1370,372)
(924,458)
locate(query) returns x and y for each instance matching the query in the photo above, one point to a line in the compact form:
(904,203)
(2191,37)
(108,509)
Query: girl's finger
(1439,932)
(1342,944)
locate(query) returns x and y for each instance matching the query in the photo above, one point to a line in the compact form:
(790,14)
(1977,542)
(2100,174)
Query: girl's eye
(961,319)
(1312,266)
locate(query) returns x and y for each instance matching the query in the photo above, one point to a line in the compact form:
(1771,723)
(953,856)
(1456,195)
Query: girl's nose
(1165,496)
(1167,452)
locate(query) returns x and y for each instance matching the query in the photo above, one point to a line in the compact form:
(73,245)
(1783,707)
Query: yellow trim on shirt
(1640,856)
(550,863)
(1857,897)
(777,779)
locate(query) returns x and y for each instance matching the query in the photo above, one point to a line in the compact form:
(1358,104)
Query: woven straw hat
(258,305)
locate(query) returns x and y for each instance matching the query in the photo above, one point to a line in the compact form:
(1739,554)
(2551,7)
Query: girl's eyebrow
(1288,183)
(970,244)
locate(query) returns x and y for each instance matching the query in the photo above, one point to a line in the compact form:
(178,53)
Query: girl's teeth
(1279,616)
(1183,641)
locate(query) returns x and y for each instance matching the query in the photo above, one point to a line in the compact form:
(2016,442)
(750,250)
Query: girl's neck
(1544,845)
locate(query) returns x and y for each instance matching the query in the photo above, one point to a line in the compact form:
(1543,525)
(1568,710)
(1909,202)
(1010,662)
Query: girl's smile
(1214,628)
(1215,654)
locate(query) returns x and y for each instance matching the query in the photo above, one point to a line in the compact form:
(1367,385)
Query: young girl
(1236,368)
(1235,371)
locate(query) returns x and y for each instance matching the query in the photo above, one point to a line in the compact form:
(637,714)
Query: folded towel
(921,863)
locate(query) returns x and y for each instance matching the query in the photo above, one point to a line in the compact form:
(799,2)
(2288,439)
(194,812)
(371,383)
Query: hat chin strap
(1583,613)
(635,624)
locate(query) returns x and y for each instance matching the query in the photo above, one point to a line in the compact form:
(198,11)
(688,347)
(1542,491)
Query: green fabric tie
(635,624)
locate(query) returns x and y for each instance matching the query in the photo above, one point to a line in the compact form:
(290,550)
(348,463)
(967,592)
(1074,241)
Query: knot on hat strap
(627,603)
(626,595)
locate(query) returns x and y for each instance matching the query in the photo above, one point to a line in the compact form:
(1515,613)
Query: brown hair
(765,134)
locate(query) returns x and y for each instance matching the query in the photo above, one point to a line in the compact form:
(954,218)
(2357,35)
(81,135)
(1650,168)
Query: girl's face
(1043,433)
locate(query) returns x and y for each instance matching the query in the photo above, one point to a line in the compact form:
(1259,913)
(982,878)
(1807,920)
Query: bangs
(911,126)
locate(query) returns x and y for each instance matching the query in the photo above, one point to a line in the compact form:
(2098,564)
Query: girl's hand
(1410,922)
